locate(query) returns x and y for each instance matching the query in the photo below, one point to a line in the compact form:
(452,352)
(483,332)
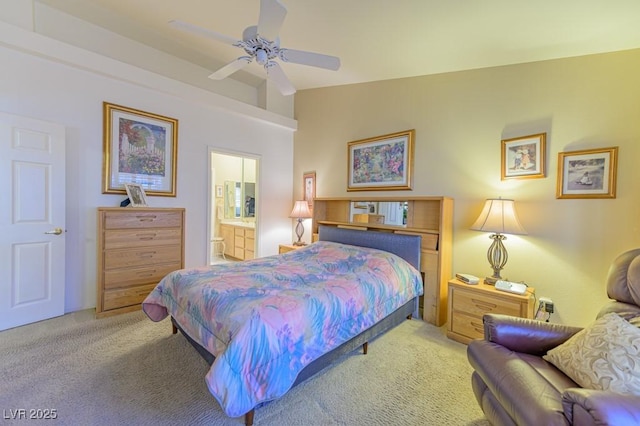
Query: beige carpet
(129,370)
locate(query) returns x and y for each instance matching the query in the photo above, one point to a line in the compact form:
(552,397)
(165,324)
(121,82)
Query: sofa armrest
(597,407)
(525,335)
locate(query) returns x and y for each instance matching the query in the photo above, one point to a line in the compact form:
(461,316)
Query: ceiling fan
(261,42)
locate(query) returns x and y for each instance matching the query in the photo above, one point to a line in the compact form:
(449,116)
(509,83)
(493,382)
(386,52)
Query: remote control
(468,278)
(517,288)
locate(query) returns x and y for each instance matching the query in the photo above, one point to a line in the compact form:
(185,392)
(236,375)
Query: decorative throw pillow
(605,356)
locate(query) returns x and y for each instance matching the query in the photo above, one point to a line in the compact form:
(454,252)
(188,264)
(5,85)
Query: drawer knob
(146,218)
(146,237)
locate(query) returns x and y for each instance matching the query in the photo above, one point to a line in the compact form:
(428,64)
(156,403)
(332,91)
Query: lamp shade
(300,210)
(499,216)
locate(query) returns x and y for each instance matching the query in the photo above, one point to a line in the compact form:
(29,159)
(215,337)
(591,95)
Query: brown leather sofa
(514,385)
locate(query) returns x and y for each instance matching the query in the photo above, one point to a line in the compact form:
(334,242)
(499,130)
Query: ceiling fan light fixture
(261,56)
(262,43)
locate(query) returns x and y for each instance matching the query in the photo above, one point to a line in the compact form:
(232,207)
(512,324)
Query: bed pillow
(604,356)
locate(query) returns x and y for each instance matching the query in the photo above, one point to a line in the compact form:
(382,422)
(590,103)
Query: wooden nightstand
(468,303)
(284,248)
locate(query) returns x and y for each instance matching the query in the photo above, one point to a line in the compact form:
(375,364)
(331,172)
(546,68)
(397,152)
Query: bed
(267,324)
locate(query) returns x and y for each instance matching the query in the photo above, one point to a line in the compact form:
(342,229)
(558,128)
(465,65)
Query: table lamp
(499,217)
(300,211)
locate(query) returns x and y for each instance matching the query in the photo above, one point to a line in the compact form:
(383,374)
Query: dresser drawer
(477,304)
(129,277)
(468,326)
(117,239)
(142,219)
(126,297)
(142,256)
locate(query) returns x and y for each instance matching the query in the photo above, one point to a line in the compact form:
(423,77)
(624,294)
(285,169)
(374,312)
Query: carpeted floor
(130,370)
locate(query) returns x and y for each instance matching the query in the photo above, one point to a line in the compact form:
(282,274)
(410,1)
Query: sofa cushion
(604,356)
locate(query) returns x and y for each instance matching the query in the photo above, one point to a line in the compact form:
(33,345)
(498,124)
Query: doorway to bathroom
(233,206)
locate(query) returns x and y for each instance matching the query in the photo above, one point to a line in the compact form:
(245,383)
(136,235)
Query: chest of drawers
(468,303)
(137,247)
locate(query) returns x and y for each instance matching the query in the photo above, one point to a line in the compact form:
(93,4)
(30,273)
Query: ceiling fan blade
(230,68)
(203,32)
(272,14)
(309,58)
(275,74)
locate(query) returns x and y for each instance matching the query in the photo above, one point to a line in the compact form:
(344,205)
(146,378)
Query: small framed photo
(136,194)
(218,191)
(309,185)
(587,174)
(523,157)
(381,163)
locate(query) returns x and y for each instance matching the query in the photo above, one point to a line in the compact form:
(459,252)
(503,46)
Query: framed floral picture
(587,174)
(381,163)
(139,147)
(523,157)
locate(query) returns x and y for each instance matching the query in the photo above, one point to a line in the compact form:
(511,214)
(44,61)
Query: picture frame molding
(511,154)
(309,188)
(113,178)
(136,194)
(609,171)
(406,137)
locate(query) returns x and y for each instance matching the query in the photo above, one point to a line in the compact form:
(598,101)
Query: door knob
(56,231)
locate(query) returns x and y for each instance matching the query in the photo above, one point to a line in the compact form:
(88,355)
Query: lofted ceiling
(377,39)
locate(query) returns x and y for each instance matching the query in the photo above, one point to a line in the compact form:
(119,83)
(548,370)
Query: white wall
(52,81)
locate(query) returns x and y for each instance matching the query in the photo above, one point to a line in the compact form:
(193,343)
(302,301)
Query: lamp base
(490,280)
(299,243)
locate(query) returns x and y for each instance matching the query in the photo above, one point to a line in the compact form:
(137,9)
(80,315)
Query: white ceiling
(379,39)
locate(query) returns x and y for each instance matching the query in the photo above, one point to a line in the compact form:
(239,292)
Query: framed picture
(136,194)
(139,147)
(218,191)
(587,174)
(381,163)
(523,157)
(309,185)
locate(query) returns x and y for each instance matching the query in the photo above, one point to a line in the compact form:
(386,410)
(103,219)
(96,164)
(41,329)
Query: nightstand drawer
(469,303)
(468,326)
(477,304)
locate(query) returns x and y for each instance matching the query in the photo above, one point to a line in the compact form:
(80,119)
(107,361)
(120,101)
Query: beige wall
(460,120)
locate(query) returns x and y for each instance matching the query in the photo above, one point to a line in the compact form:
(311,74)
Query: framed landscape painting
(587,174)
(140,148)
(381,163)
(523,157)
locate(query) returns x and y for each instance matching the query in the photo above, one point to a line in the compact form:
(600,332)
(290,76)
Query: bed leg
(174,329)
(365,347)
(409,317)
(248,418)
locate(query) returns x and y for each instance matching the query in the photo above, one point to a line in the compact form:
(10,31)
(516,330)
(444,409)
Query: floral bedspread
(266,319)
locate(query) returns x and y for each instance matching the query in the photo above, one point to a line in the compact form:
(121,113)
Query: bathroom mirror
(249,199)
(232,199)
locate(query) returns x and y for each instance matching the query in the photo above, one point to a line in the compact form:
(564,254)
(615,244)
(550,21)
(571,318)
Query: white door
(32,220)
